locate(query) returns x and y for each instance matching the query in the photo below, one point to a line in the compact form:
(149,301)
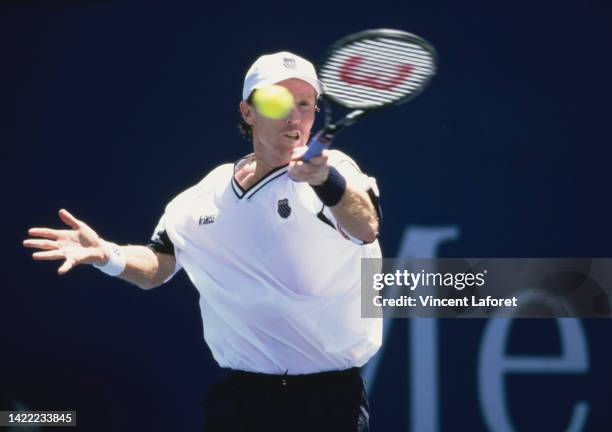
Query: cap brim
(316,84)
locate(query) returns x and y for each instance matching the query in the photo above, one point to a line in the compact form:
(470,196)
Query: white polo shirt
(279,282)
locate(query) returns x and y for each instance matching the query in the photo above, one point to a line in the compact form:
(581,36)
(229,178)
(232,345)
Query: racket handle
(317,144)
(324,137)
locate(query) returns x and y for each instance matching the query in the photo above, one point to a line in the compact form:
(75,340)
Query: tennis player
(273,244)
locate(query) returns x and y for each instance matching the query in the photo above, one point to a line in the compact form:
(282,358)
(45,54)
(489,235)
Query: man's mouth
(295,135)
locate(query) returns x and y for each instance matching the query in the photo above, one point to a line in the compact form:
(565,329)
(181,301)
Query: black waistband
(286,379)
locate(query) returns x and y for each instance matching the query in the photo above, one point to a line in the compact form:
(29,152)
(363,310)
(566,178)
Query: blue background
(110,111)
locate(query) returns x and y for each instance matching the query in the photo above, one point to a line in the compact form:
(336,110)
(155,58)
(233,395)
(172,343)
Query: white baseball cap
(273,68)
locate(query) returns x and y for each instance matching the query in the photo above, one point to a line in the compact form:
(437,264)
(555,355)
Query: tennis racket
(368,71)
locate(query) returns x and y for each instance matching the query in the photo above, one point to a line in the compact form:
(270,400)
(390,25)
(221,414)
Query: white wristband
(116,260)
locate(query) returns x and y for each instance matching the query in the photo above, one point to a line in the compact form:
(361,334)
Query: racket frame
(322,139)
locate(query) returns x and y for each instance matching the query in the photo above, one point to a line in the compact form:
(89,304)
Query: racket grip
(317,144)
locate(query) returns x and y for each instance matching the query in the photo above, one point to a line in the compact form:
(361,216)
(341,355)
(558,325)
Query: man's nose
(293,116)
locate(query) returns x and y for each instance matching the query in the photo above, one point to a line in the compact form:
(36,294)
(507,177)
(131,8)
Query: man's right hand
(78,245)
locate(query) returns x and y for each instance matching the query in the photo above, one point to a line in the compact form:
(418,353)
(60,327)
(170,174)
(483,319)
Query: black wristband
(330,192)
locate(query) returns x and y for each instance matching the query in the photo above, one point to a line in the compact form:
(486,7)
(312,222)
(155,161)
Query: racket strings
(374,72)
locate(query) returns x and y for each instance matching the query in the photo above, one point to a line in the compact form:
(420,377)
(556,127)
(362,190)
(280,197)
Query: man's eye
(304,103)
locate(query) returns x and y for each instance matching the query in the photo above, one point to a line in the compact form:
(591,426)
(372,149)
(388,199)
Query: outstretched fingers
(65,267)
(49,255)
(46,233)
(69,220)
(40,244)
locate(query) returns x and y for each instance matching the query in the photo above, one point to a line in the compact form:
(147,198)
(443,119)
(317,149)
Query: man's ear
(246,111)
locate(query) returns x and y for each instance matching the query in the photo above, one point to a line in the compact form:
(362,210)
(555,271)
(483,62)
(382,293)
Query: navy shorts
(327,401)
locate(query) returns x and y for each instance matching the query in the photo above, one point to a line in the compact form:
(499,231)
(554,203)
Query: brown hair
(245,129)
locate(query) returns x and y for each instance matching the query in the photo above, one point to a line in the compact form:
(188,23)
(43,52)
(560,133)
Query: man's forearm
(356,214)
(146,268)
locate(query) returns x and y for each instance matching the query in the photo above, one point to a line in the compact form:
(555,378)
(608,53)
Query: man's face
(274,140)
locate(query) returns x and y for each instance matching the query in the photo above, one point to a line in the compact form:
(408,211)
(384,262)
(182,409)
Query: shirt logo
(289,63)
(283,208)
(205,220)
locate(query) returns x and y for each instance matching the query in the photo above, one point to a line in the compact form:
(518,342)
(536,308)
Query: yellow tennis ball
(273,101)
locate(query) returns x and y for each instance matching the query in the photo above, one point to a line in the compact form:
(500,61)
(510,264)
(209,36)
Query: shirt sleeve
(354,176)
(160,242)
